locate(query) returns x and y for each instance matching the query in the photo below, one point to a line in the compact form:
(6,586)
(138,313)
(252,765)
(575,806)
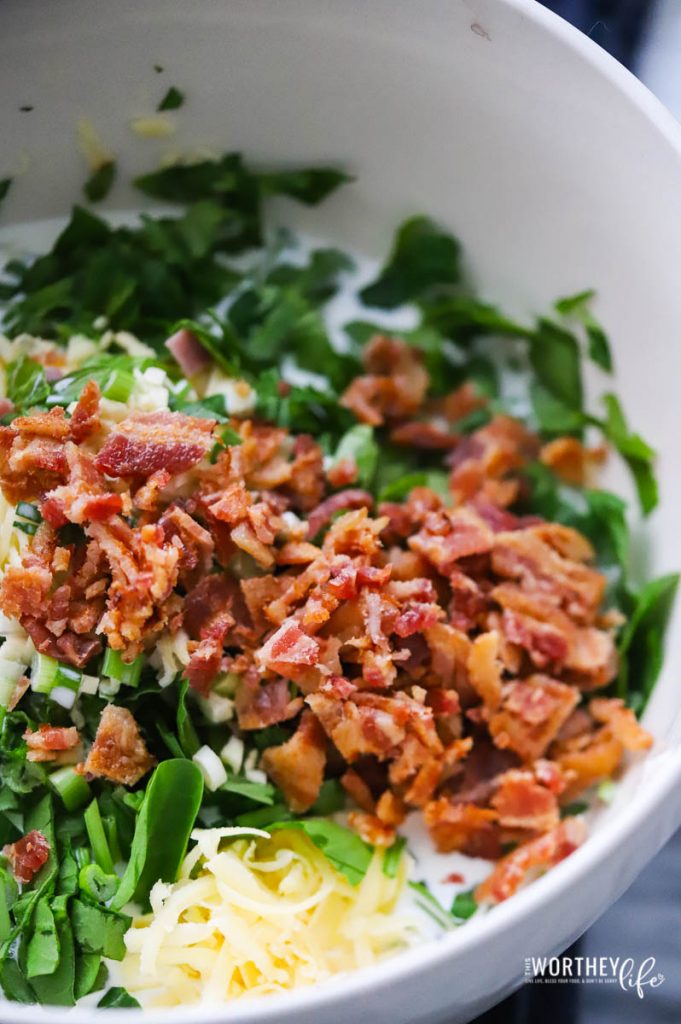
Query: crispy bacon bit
(342,473)
(325,512)
(297,766)
(27,855)
(531,714)
(522,802)
(571,460)
(432,656)
(622,723)
(259,706)
(49,742)
(118,752)
(539,854)
(85,418)
(464,827)
(288,646)
(188,351)
(150,441)
(395,386)
(371,829)
(484,669)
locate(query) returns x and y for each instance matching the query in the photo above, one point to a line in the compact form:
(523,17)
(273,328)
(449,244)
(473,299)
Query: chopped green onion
(7,688)
(606,791)
(71,787)
(431,906)
(29,528)
(82,855)
(28,511)
(115,668)
(97,837)
(464,905)
(43,673)
(97,884)
(68,677)
(393,856)
(118,387)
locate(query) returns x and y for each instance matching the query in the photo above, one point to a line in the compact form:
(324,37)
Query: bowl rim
(566,874)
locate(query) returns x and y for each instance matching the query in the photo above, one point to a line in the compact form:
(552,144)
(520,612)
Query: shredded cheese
(263,914)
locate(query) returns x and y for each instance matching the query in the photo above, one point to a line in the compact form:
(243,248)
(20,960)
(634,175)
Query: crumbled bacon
(261,705)
(50,742)
(150,441)
(431,656)
(27,855)
(85,417)
(325,512)
(539,854)
(118,752)
(297,766)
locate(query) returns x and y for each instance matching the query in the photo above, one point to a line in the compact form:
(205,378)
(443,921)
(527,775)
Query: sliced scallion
(97,837)
(71,787)
(118,387)
(97,884)
(29,528)
(28,511)
(115,668)
(43,672)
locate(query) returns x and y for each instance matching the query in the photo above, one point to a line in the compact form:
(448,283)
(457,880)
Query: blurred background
(645,35)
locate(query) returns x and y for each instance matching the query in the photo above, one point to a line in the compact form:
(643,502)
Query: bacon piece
(447,537)
(535,855)
(527,556)
(588,761)
(149,441)
(358,790)
(75,649)
(344,472)
(306,482)
(371,829)
(622,723)
(390,809)
(422,434)
(288,646)
(463,827)
(188,352)
(571,460)
(531,714)
(350,499)
(522,802)
(85,418)
(484,669)
(395,385)
(417,618)
(297,766)
(197,544)
(50,741)
(24,589)
(484,462)
(259,706)
(118,753)
(51,424)
(27,855)
(84,498)
(259,592)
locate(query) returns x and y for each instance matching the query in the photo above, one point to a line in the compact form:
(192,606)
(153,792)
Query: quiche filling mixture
(269,586)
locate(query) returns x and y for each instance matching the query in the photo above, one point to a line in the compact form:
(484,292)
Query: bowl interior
(556,170)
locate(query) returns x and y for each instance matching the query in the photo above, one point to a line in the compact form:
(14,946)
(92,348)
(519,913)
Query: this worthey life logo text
(630,974)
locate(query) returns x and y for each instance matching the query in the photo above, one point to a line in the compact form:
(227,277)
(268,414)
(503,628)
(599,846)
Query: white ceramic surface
(558,170)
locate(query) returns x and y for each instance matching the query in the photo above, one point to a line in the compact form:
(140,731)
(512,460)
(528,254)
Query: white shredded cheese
(264,914)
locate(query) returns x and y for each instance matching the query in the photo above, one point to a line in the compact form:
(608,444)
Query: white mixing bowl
(559,172)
